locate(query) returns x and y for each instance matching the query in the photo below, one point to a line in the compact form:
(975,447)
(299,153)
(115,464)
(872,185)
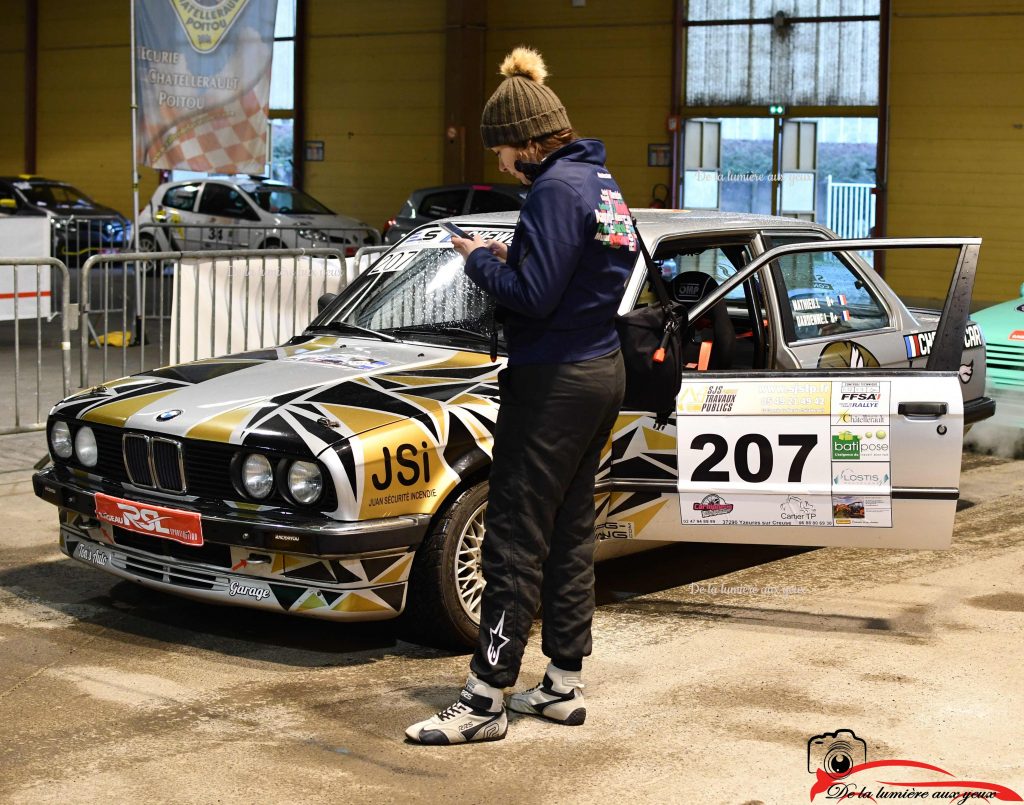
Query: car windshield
(419,291)
(287,201)
(54,196)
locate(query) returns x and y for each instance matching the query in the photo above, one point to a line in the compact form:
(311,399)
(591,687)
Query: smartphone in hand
(459,233)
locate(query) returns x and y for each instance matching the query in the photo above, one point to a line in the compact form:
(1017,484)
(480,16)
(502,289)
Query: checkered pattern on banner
(226,139)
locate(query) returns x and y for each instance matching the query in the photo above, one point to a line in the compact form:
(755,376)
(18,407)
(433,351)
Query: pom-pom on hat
(522,107)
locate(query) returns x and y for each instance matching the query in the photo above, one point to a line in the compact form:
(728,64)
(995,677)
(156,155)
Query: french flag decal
(842,299)
(846,315)
(913,346)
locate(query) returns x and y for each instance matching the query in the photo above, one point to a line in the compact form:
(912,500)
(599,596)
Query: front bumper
(240,564)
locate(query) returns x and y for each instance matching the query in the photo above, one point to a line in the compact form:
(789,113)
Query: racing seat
(713,338)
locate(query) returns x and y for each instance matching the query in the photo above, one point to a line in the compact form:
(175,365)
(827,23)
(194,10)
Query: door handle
(922,410)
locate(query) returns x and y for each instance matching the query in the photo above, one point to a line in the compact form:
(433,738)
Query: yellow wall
(84,117)
(375,96)
(611,69)
(12,68)
(956,143)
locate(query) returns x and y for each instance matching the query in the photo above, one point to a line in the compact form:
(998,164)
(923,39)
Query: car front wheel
(446,582)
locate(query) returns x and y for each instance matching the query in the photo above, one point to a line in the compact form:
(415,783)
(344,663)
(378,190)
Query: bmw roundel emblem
(166,415)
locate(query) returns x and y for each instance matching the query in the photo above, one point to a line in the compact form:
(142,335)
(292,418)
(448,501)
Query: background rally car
(344,474)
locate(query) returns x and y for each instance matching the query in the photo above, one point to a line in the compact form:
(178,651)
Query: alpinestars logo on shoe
(493,651)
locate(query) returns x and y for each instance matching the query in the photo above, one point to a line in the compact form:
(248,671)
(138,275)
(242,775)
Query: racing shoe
(478,715)
(558,698)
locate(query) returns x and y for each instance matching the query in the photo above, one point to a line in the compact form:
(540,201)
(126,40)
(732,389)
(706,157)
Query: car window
(219,199)
(734,325)
(826,294)
(51,195)
(288,201)
(713,261)
(443,204)
(182,197)
(489,201)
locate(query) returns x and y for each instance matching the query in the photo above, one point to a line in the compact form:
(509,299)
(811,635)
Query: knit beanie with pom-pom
(522,107)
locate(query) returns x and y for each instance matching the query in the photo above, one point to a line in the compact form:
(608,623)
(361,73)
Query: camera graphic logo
(835,752)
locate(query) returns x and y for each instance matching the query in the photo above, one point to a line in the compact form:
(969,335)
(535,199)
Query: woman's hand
(498,249)
(465,246)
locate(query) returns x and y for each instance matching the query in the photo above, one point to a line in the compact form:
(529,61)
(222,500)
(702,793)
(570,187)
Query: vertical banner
(203,83)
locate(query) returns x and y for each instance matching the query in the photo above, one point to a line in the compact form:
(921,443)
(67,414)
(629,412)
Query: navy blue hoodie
(568,262)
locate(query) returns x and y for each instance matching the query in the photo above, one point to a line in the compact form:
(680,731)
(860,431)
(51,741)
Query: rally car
(343,474)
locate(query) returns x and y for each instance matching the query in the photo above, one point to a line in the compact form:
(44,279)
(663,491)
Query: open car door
(850,457)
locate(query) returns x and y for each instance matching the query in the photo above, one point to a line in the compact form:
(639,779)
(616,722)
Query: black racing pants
(553,422)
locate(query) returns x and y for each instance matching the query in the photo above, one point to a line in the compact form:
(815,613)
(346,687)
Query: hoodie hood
(586,150)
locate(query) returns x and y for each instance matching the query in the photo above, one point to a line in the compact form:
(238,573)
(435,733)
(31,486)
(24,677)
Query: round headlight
(305,482)
(85,446)
(60,440)
(257,475)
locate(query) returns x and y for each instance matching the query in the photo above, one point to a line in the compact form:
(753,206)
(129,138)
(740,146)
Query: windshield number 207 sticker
(395,261)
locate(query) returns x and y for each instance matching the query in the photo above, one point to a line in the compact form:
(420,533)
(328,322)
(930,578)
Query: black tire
(271,243)
(434,611)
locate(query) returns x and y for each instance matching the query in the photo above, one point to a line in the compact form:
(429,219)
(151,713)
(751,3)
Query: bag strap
(653,273)
(672,321)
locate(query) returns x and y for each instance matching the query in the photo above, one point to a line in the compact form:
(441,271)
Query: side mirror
(324,301)
(8,204)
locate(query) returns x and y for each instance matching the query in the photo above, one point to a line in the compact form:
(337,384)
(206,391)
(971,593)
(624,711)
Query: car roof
(500,187)
(31,179)
(657,223)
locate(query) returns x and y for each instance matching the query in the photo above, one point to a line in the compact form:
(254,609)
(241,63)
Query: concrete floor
(111,693)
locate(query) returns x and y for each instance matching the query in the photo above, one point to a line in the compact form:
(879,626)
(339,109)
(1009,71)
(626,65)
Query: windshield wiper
(346,327)
(431,329)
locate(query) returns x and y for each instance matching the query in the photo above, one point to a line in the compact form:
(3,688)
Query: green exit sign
(777,109)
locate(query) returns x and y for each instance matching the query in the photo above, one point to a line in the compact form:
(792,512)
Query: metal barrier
(64,313)
(150,310)
(172,235)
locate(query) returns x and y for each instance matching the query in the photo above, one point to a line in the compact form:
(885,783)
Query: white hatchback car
(245,213)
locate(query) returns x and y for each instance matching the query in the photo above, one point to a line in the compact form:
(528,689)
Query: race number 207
(753,456)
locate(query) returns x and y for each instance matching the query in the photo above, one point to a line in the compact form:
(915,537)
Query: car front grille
(154,462)
(1005,364)
(207,466)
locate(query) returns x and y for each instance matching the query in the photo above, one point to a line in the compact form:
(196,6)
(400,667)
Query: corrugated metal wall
(956,139)
(12,64)
(610,64)
(375,96)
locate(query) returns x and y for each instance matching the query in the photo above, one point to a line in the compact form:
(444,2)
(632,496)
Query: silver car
(344,474)
(245,213)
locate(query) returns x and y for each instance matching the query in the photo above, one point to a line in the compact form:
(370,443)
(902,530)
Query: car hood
(1000,321)
(313,391)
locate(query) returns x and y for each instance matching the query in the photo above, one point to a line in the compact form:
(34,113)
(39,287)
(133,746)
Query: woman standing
(558,286)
